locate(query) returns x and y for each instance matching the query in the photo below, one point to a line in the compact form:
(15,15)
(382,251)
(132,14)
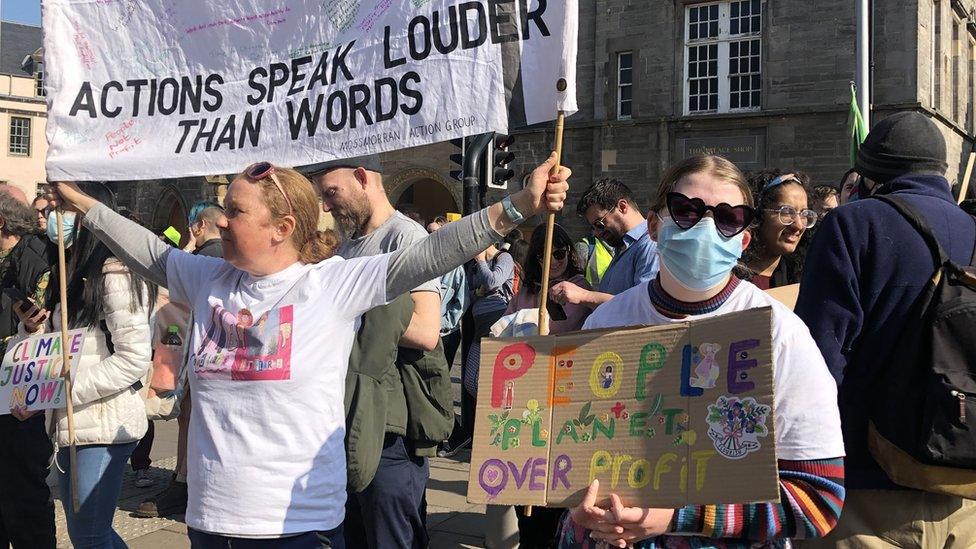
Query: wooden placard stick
(965,178)
(550,227)
(66,365)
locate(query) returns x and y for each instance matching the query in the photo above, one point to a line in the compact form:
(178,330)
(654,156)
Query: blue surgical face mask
(67,221)
(698,258)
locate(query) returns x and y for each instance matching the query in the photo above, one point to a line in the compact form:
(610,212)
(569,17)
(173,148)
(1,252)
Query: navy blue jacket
(865,269)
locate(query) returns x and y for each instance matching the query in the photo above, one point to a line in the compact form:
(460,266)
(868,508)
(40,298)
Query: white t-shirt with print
(267,369)
(805,394)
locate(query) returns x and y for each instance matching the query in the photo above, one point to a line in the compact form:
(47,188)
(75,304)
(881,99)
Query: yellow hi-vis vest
(600,257)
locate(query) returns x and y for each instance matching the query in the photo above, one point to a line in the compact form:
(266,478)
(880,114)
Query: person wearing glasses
(781,220)
(40,207)
(539,529)
(700,220)
(611,210)
(266,447)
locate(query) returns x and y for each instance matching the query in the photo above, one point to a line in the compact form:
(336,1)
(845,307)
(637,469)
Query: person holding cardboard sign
(700,220)
(273,328)
(538,529)
(112,304)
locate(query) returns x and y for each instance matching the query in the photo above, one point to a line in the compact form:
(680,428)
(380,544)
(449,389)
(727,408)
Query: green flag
(859,130)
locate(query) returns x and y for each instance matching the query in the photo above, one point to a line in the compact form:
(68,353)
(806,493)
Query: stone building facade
(763,82)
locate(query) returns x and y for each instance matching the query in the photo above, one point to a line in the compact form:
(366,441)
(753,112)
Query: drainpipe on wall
(862,12)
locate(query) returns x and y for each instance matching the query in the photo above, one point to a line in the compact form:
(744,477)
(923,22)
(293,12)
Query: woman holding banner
(266,457)
(700,220)
(113,304)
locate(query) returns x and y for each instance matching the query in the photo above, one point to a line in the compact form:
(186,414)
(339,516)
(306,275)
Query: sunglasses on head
(729,220)
(261,170)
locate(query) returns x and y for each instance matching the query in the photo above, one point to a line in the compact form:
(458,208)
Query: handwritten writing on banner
(664,416)
(296,81)
(31,373)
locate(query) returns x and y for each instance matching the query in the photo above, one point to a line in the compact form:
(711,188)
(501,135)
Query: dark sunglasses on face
(729,220)
(558,255)
(600,224)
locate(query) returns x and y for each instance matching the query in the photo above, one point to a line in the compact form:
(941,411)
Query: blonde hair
(715,166)
(313,245)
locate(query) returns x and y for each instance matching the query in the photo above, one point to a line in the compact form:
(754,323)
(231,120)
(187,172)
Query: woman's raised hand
(67,195)
(545,191)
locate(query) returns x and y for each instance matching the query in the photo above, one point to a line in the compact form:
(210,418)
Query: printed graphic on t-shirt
(242,348)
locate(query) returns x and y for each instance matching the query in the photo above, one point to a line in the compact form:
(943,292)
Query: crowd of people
(312,376)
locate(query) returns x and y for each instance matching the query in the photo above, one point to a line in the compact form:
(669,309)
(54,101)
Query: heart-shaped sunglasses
(729,220)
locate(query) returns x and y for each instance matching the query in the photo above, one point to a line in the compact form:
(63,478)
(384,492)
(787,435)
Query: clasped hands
(616,525)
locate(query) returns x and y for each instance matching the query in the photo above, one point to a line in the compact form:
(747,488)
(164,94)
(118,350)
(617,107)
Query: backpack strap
(910,214)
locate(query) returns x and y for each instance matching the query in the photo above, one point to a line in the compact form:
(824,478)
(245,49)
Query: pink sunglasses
(260,170)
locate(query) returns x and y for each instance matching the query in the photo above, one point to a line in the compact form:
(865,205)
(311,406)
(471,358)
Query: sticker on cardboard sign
(735,425)
(706,369)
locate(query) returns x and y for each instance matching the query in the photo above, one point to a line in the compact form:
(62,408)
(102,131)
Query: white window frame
(971,70)
(621,86)
(10,136)
(723,40)
(39,80)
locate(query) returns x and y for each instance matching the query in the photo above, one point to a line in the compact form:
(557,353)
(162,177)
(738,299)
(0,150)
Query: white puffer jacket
(107,409)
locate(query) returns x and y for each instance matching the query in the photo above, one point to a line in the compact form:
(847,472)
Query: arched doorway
(171,212)
(423,191)
(428,198)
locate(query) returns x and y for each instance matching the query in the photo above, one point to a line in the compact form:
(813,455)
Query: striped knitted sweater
(811,492)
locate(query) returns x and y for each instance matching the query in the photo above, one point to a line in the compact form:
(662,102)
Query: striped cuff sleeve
(811,499)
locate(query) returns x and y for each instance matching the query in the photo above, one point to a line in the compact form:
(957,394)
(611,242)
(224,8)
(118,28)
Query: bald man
(14,192)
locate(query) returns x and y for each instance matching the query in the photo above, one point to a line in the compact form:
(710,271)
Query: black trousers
(392,510)
(26,510)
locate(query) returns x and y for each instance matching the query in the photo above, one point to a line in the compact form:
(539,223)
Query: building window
(625,84)
(956,72)
(39,80)
(20,129)
(971,106)
(723,52)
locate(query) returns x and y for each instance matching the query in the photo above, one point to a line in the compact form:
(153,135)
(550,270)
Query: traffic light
(457,159)
(500,157)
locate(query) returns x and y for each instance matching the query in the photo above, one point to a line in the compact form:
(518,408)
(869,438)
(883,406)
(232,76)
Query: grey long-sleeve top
(423,260)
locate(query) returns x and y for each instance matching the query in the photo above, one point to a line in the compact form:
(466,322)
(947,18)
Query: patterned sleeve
(40,290)
(811,499)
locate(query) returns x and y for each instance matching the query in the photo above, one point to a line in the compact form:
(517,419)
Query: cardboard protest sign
(144,89)
(664,416)
(787,295)
(31,372)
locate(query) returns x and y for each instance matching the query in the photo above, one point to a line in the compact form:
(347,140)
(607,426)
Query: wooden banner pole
(550,227)
(66,365)
(965,179)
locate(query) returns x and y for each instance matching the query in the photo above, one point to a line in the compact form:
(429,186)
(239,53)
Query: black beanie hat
(903,143)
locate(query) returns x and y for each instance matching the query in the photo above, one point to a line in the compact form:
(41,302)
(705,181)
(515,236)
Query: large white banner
(146,89)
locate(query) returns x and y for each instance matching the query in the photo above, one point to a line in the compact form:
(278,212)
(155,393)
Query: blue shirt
(454,300)
(634,263)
